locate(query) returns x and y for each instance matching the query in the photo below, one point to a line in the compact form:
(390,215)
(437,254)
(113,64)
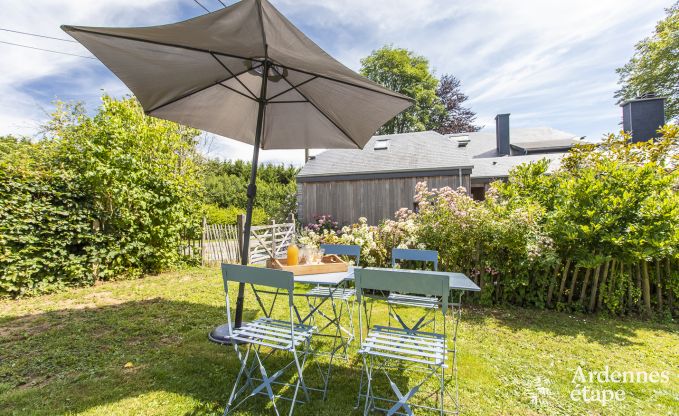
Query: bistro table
(334,282)
(329,287)
(457,281)
(332,287)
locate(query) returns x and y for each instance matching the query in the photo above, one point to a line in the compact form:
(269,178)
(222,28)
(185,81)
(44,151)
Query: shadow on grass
(76,359)
(594,328)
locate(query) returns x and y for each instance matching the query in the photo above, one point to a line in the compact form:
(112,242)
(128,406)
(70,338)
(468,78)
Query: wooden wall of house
(375,199)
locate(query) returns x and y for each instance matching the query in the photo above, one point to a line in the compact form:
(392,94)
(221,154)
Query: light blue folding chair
(340,294)
(265,336)
(397,300)
(416,356)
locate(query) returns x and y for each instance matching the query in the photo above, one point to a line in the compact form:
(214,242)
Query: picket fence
(221,243)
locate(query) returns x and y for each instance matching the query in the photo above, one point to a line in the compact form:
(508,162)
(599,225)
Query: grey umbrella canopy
(209,73)
(206,73)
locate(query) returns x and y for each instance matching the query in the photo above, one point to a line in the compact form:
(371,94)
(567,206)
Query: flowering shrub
(600,233)
(323,223)
(373,252)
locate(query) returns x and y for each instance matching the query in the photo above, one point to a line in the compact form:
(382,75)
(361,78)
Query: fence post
(292,221)
(240,222)
(273,238)
(202,241)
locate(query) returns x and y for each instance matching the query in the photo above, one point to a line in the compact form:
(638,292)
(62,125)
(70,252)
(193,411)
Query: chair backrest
(415,255)
(402,281)
(343,250)
(277,279)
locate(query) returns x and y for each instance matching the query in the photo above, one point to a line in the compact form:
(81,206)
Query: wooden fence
(221,243)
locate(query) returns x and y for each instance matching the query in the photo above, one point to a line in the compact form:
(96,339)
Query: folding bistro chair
(339,294)
(263,337)
(392,351)
(397,300)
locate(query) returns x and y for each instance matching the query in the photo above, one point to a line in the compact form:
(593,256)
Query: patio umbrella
(247,73)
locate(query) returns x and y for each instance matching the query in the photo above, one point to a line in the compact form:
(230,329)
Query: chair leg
(368,390)
(442,387)
(244,361)
(300,369)
(266,383)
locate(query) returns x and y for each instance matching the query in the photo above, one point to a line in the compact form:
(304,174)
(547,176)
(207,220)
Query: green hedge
(228,216)
(102,197)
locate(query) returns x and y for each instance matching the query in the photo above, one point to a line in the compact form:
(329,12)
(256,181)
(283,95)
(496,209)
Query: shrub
(322,223)
(600,233)
(226,186)
(228,216)
(102,197)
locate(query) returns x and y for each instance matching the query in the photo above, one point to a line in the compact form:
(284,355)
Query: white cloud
(22,108)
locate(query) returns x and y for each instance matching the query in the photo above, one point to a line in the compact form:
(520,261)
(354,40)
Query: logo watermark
(540,390)
(587,390)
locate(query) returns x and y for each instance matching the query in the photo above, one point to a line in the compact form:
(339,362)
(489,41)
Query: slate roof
(418,151)
(544,146)
(498,167)
(428,150)
(483,144)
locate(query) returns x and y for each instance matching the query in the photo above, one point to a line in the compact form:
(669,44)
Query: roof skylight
(381,144)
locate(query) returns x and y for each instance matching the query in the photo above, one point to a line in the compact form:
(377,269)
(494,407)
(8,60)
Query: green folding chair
(398,301)
(263,337)
(390,351)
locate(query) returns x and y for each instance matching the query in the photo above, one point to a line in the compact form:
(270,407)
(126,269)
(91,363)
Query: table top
(458,281)
(330,279)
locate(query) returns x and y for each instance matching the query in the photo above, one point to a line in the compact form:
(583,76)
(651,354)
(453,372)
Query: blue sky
(548,63)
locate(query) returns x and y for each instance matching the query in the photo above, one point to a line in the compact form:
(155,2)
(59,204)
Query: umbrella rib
(337,126)
(287,102)
(153,42)
(234,76)
(76,29)
(188,94)
(394,95)
(260,11)
(291,88)
(238,92)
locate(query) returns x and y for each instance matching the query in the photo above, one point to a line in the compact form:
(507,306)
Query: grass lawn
(140,347)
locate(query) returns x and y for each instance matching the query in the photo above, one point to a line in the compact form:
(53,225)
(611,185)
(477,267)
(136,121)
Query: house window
(381,145)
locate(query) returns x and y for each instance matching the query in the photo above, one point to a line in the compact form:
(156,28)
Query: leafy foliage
(228,216)
(609,215)
(404,72)
(654,67)
(322,223)
(226,187)
(613,201)
(438,104)
(456,118)
(99,197)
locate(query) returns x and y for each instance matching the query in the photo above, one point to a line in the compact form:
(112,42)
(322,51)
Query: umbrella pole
(252,192)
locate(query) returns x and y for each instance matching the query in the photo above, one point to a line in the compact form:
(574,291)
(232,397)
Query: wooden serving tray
(329,264)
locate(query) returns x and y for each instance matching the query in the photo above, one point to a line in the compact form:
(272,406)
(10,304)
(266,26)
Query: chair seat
(405,345)
(336,293)
(273,333)
(413,300)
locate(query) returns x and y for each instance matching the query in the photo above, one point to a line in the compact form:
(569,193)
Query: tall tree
(654,67)
(404,72)
(456,118)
